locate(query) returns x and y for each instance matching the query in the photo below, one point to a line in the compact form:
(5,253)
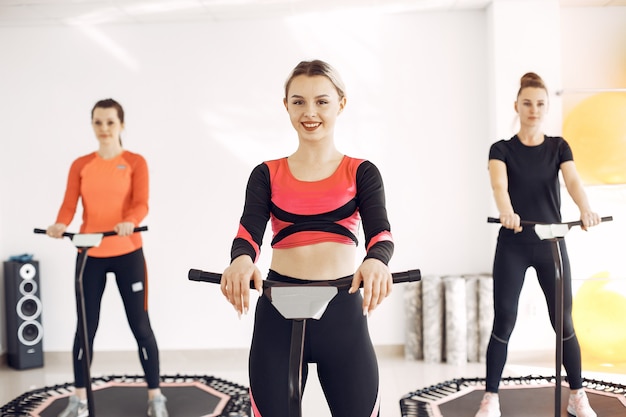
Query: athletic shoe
(489,406)
(578,405)
(156,406)
(75,408)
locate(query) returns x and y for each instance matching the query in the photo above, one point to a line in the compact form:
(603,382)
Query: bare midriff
(320,261)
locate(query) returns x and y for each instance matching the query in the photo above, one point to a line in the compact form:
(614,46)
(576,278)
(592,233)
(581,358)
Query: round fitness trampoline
(123,395)
(519,397)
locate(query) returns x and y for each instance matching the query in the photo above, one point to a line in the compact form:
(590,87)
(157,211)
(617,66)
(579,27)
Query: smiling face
(106,125)
(313,104)
(532,106)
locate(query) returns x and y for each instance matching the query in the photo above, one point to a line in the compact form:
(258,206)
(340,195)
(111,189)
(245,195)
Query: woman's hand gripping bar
(215,278)
(570,224)
(109,233)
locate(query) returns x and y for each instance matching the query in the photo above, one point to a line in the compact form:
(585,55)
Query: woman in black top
(524,174)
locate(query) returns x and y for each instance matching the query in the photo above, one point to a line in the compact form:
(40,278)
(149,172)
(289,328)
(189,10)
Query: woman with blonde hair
(315,199)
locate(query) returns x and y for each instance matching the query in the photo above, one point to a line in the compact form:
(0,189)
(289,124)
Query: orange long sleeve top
(111,191)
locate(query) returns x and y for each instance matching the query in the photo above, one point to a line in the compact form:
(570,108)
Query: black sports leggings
(511,261)
(340,345)
(130,275)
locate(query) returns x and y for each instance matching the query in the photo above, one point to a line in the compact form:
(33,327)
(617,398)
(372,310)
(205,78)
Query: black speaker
(23,314)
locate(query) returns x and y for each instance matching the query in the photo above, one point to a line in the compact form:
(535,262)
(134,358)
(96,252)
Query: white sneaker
(75,408)
(578,405)
(156,406)
(489,406)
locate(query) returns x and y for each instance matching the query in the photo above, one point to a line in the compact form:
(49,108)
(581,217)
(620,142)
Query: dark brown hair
(317,67)
(530,79)
(109,103)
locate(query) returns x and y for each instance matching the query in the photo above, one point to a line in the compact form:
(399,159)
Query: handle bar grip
(44,231)
(204,276)
(580,223)
(411,275)
(135,230)
(497,220)
(109,233)
(525,222)
(215,278)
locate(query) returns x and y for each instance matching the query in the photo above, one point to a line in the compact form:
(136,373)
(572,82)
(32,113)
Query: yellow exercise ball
(596,130)
(599,314)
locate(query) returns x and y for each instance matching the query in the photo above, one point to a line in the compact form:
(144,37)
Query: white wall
(203,104)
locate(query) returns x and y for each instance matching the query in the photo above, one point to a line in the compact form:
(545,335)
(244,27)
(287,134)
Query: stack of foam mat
(448,318)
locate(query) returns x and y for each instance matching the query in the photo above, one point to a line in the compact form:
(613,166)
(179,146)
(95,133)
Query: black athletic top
(309,212)
(533,179)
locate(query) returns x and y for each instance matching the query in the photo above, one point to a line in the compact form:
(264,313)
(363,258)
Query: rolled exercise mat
(471,309)
(485,314)
(455,320)
(432,318)
(413,336)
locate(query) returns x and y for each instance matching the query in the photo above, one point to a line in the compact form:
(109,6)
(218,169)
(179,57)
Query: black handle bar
(528,222)
(215,278)
(109,233)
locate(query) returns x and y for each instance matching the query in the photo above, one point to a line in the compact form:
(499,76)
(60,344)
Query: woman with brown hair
(524,174)
(112,185)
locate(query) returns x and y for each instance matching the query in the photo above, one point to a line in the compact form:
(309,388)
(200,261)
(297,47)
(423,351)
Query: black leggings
(130,275)
(340,345)
(509,269)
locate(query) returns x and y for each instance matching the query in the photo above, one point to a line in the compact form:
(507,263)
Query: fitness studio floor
(398,376)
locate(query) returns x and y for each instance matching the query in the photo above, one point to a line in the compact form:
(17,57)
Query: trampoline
(519,397)
(123,395)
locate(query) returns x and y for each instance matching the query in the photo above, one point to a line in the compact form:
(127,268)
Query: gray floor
(398,376)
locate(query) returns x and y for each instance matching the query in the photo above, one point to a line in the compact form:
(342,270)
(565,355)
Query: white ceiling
(55,12)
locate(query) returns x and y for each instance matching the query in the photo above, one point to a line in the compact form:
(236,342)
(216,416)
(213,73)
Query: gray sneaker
(156,406)
(75,408)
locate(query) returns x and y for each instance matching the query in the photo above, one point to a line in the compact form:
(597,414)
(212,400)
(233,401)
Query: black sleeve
(256,213)
(565,151)
(497,151)
(371,200)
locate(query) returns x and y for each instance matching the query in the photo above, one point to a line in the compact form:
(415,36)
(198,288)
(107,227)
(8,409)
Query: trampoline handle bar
(215,278)
(109,233)
(574,223)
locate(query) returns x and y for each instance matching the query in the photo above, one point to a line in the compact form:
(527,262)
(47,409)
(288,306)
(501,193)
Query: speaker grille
(28,307)
(30,333)
(28,271)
